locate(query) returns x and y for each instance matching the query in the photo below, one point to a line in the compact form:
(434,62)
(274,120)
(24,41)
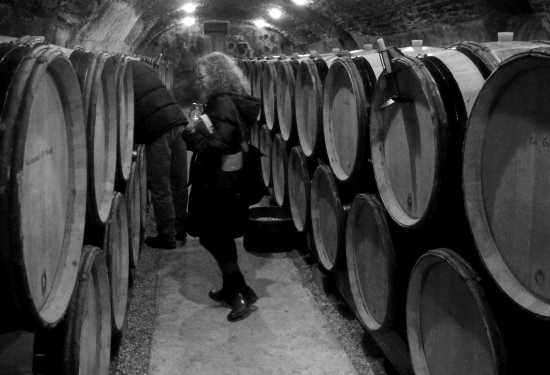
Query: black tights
(224,251)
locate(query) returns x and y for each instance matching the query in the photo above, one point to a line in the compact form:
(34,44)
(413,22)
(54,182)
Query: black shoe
(250,296)
(240,308)
(219,295)
(160,243)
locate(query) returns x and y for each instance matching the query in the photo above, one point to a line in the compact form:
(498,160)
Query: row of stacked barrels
(73,201)
(424,183)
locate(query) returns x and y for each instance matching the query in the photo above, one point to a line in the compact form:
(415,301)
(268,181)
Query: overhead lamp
(189,8)
(188,21)
(260,23)
(300,2)
(275,13)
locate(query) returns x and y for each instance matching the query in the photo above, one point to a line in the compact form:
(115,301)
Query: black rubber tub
(270,229)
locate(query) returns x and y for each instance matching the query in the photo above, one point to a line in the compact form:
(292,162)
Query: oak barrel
(144,193)
(96,75)
(125,120)
(450,325)
(328,218)
(81,344)
(310,81)
(269,94)
(299,175)
(279,170)
(372,263)
(116,246)
(409,143)
(256,84)
(285,89)
(43,178)
(266,142)
(133,206)
(346,116)
(505,177)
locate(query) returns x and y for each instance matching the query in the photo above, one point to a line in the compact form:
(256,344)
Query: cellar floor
(172,327)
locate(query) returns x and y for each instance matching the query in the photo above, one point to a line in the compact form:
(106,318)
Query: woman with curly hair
(217,211)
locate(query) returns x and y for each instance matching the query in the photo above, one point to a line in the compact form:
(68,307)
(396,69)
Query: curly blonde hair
(225,74)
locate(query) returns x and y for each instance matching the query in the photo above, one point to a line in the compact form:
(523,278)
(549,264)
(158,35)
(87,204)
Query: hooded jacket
(155,109)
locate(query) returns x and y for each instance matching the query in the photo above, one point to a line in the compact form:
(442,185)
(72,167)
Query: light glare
(188,21)
(189,8)
(300,2)
(260,23)
(275,13)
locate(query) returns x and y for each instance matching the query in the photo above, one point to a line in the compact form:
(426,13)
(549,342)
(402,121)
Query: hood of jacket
(248,106)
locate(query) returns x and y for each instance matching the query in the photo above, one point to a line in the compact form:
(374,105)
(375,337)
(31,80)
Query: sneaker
(160,243)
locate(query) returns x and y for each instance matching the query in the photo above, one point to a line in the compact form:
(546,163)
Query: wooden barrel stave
(300,173)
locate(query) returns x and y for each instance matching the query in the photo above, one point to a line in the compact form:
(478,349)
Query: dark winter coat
(216,205)
(155,109)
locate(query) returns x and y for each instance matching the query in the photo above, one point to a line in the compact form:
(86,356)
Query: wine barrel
(247,71)
(116,247)
(269,94)
(43,178)
(450,327)
(328,218)
(279,170)
(255,134)
(505,177)
(409,143)
(133,206)
(125,120)
(380,256)
(300,172)
(346,112)
(96,75)
(170,76)
(310,81)
(81,344)
(489,55)
(256,80)
(265,148)
(144,193)
(285,89)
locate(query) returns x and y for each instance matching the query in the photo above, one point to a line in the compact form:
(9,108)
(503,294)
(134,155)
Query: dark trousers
(167,182)
(224,251)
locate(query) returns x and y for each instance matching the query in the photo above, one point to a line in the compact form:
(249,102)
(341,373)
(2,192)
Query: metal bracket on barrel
(390,76)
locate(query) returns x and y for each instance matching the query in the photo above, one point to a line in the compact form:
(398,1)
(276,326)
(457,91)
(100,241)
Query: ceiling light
(189,8)
(275,13)
(260,23)
(300,2)
(188,21)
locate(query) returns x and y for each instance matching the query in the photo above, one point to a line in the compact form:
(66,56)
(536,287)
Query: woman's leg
(224,251)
